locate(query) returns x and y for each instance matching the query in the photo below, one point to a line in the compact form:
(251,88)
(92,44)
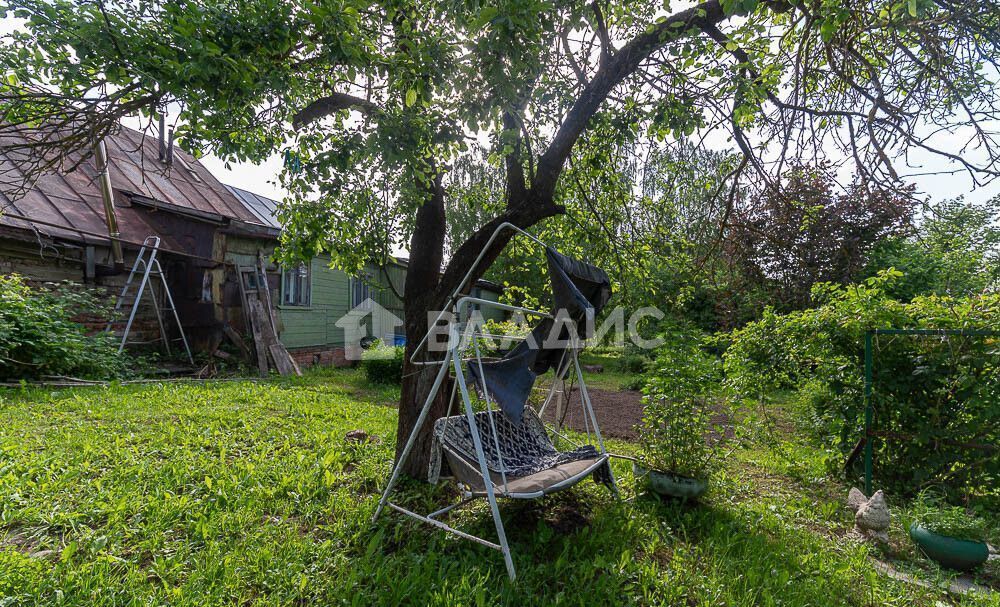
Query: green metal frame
(869,365)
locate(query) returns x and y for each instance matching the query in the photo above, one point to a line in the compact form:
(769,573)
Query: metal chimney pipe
(162,142)
(107,195)
(170,148)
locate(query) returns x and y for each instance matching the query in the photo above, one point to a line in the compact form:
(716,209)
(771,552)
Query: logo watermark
(369,321)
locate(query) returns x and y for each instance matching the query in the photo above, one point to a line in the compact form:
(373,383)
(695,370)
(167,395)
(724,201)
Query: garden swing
(505,450)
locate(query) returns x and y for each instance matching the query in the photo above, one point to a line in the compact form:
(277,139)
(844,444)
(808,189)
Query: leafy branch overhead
(374,104)
(386,97)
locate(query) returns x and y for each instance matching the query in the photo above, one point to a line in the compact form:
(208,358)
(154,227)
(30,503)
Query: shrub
(684,420)
(934,514)
(632,362)
(38,336)
(935,399)
(383,364)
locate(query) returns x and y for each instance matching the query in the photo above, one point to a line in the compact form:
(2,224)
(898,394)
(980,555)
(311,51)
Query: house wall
(41,266)
(308,332)
(487,312)
(315,325)
(383,286)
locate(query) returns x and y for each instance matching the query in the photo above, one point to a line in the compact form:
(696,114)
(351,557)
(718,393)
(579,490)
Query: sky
(263,179)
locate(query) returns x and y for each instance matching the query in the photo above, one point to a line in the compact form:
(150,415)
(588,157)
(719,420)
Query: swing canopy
(579,291)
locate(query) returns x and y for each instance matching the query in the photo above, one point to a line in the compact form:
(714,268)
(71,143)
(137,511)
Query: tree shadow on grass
(583,547)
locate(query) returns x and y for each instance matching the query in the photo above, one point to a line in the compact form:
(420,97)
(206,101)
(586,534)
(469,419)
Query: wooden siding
(316,324)
(490,313)
(386,323)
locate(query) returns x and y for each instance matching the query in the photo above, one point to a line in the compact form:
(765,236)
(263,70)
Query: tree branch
(608,76)
(324,106)
(607,49)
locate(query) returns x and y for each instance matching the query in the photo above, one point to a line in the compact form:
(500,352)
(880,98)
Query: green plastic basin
(961,555)
(670,485)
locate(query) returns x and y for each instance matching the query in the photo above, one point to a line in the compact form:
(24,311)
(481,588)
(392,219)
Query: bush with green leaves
(932,512)
(383,364)
(685,420)
(38,336)
(936,399)
(632,362)
(955,251)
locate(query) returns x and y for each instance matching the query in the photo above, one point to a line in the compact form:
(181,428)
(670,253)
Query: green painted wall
(315,325)
(491,295)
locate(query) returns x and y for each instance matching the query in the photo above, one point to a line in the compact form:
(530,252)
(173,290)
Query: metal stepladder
(149,267)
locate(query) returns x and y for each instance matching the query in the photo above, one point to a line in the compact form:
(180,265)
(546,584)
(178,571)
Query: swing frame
(459,335)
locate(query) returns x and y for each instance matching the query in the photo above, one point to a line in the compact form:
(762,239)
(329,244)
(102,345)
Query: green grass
(611,378)
(246,493)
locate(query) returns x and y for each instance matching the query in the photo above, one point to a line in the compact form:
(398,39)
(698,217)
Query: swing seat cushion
(533,466)
(541,483)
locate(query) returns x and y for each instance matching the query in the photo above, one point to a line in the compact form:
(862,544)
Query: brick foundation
(325,356)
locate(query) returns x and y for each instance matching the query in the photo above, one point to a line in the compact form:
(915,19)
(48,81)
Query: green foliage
(383,364)
(955,251)
(39,337)
(632,362)
(932,512)
(935,399)
(807,230)
(647,238)
(684,422)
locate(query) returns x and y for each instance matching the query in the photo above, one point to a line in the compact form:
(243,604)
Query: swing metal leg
(413,436)
(585,397)
(481,457)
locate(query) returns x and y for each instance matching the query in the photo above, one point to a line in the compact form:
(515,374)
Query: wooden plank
(237,341)
(282,360)
(243,296)
(258,335)
(265,290)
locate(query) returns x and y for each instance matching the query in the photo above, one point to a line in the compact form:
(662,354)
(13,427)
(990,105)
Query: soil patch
(617,412)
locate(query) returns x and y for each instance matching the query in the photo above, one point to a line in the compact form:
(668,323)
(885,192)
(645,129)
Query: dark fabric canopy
(578,288)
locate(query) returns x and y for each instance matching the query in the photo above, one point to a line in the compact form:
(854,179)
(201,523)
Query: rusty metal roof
(142,186)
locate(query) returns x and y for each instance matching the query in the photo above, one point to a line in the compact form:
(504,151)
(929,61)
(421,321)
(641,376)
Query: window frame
(305,281)
(366,293)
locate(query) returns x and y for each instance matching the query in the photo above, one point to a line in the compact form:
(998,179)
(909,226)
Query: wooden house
(213,239)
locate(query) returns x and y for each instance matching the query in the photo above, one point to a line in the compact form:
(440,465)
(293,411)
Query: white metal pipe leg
(585,397)
(413,435)
(484,469)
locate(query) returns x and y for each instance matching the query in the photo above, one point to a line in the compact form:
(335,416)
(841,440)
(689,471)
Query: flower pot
(961,555)
(667,484)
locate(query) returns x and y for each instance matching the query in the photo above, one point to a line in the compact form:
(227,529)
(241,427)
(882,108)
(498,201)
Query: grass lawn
(610,378)
(244,493)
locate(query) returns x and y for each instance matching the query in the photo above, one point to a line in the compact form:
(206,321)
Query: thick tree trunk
(427,290)
(419,298)
(417,383)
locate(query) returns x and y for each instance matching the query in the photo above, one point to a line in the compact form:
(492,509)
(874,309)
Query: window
(360,292)
(295,286)
(206,286)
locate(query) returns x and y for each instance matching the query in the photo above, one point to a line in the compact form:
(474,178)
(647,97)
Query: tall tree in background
(385,97)
(647,212)
(955,251)
(801,231)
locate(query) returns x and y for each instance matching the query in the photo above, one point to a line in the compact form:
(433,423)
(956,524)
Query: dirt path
(617,412)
